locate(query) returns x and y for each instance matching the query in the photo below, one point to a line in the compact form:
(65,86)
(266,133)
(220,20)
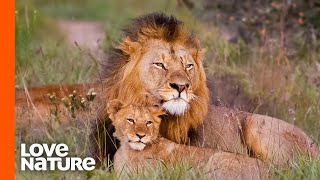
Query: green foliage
(219,50)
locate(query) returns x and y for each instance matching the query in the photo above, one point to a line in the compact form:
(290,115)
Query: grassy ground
(275,88)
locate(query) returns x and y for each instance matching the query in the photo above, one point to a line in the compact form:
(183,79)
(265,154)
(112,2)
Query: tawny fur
(265,136)
(158,150)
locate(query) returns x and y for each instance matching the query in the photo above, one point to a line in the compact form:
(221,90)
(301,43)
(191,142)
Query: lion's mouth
(139,141)
(178,99)
(174,97)
(144,140)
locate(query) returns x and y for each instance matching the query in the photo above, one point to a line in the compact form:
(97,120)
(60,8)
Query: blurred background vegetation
(262,56)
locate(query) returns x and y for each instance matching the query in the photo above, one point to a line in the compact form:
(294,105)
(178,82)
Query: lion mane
(121,79)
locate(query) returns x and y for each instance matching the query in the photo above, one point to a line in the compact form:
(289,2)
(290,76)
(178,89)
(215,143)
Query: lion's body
(142,149)
(268,138)
(215,164)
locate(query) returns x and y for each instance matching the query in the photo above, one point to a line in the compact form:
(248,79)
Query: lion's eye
(149,123)
(189,66)
(159,65)
(131,121)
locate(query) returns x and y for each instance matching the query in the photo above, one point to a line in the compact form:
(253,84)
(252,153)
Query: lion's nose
(179,87)
(141,135)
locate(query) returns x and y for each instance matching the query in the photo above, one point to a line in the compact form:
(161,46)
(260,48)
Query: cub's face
(135,125)
(169,73)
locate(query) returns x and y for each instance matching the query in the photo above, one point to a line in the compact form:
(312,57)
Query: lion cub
(141,147)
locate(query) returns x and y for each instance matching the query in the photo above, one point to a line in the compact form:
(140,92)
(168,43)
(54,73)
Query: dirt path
(86,34)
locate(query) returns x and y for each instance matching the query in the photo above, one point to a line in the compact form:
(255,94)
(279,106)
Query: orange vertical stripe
(7,90)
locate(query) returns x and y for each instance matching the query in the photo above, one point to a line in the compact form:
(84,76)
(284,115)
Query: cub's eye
(149,123)
(189,66)
(131,121)
(159,65)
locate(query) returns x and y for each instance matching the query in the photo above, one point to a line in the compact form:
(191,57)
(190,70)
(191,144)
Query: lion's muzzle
(177,97)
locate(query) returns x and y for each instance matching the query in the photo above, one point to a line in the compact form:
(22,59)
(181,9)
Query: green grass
(43,56)
(41,50)
(304,169)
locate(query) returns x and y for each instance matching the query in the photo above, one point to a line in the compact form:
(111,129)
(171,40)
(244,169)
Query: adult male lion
(159,62)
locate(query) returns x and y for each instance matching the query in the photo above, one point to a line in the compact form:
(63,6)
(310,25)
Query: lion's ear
(113,107)
(128,46)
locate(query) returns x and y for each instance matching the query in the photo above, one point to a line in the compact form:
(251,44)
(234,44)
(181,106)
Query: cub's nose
(140,135)
(179,87)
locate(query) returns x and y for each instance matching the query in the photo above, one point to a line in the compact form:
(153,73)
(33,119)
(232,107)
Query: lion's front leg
(277,141)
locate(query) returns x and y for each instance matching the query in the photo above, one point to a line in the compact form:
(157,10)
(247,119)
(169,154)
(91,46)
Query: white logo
(55,158)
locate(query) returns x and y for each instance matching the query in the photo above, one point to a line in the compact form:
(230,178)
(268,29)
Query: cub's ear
(157,111)
(113,107)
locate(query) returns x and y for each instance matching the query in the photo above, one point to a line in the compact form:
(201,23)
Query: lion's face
(169,73)
(135,125)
